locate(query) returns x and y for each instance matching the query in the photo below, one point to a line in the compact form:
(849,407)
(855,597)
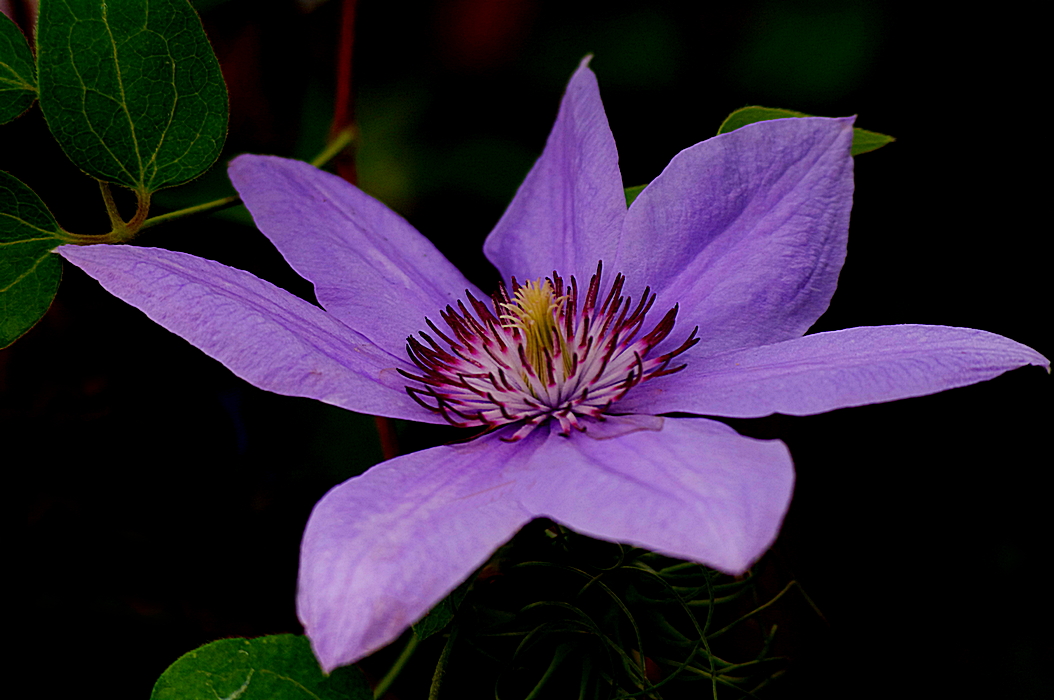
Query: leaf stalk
(397,667)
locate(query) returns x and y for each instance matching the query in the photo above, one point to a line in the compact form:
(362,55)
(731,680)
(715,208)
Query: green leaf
(18,80)
(863,140)
(131,90)
(279,667)
(440,616)
(748,115)
(29,272)
(632,193)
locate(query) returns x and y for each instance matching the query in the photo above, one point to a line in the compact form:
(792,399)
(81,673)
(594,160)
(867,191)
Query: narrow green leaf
(633,192)
(440,616)
(748,115)
(863,140)
(18,79)
(131,90)
(29,272)
(279,667)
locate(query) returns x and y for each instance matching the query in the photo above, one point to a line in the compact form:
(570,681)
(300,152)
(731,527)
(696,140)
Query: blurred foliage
(555,614)
(809,51)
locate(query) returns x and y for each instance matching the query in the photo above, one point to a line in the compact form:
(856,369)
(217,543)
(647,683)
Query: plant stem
(343,133)
(386,434)
(207,207)
(116,222)
(142,208)
(120,232)
(334,148)
(397,667)
(344,99)
(441,665)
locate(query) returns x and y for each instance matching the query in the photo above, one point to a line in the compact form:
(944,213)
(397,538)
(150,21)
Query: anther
(537,354)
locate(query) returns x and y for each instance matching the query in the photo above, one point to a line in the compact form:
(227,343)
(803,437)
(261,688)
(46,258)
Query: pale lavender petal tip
(838,369)
(383,548)
(747,231)
(263,334)
(694,489)
(567,213)
(371,269)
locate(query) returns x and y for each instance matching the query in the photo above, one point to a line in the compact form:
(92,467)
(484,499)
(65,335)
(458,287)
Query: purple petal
(371,269)
(263,334)
(825,371)
(746,231)
(694,489)
(567,213)
(381,549)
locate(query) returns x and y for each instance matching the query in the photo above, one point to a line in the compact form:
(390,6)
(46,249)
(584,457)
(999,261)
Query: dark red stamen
(479,373)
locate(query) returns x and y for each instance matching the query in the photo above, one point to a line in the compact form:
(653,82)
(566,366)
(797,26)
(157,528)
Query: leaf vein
(27,273)
(84,92)
(120,85)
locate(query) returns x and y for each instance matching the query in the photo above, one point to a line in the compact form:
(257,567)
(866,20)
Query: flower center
(541,356)
(535,312)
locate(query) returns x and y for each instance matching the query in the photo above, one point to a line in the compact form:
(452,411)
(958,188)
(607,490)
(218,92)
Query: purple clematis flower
(694,300)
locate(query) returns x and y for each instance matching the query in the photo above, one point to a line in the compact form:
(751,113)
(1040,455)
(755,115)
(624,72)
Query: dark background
(163,499)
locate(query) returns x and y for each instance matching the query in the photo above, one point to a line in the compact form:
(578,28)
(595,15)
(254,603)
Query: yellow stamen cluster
(535,312)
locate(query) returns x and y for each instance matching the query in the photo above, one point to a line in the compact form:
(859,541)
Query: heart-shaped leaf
(131,90)
(18,80)
(29,273)
(278,667)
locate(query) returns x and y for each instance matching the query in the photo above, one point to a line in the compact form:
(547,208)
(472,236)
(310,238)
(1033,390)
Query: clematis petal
(694,489)
(381,549)
(371,269)
(746,231)
(825,371)
(568,211)
(263,334)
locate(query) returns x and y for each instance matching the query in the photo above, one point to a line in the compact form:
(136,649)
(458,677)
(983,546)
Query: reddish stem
(344,106)
(24,14)
(344,117)
(386,433)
